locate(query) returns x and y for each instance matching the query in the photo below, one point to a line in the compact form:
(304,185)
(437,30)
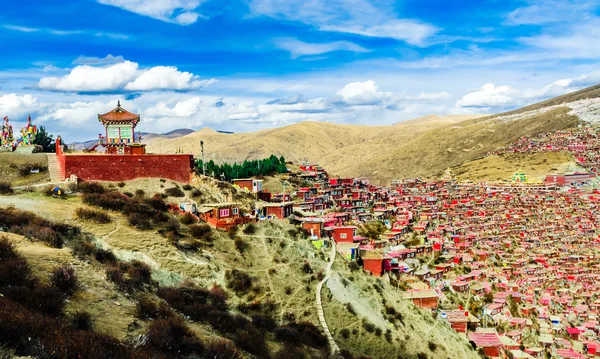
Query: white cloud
(557,88)
(87,78)
(180,109)
(20,28)
(411,31)
(360,17)
(17,105)
(121,76)
(181,12)
(488,96)
(166,77)
(299,48)
(78,114)
(550,11)
(363,93)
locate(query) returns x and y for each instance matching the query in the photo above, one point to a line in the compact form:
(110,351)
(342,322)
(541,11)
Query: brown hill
(422,147)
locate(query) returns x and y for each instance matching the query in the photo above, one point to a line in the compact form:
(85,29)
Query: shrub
(146,308)
(264,322)
(128,194)
(378,332)
(200,231)
(187,218)
(252,341)
(5,188)
(174,192)
(432,346)
(105,255)
(422,355)
(196,192)
(83,249)
(369,327)
(172,335)
(140,192)
(222,349)
(232,231)
(250,229)
(302,333)
(91,188)
(139,221)
(121,184)
(187,187)
(130,276)
(306,268)
(350,308)
(82,321)
(44,299)
(345,333)
(238,281)
(241,245)
(64,278)
(353,266)
(93,215)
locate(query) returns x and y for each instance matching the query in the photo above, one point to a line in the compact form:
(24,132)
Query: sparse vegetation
(5,188)
(97,216)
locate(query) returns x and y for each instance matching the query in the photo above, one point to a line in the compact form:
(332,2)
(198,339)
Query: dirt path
(332,344)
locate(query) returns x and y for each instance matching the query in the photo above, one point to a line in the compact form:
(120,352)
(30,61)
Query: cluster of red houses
(583,144)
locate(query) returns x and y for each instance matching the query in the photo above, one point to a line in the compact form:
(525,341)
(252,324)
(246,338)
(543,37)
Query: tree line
(266,166)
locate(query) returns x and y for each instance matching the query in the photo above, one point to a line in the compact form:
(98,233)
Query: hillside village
(508,266)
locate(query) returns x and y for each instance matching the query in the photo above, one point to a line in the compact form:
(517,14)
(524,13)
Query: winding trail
(332,344)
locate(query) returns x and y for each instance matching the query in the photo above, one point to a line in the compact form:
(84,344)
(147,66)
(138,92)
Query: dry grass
(12,163)
(501,168)
(421,147)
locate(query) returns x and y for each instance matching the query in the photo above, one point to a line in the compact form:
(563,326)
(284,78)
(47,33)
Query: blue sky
(254,64)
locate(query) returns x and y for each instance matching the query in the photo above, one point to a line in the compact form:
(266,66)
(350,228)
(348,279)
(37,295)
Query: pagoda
(119,127)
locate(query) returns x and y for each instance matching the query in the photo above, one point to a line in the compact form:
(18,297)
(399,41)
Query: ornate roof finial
(118,103)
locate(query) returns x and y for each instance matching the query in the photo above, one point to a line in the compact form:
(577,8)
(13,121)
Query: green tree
(372,230)
(42,138)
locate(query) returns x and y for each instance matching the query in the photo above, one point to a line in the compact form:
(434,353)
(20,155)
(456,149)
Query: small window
(224,212)
(235,210)
(342,235)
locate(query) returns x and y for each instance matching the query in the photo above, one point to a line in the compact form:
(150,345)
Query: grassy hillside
(264,257)
(424,146)
(15,168)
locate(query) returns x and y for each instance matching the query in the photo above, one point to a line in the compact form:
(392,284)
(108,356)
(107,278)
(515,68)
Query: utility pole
(203,164)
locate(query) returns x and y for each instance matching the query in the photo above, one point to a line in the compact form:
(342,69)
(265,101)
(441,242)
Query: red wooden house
(344,234)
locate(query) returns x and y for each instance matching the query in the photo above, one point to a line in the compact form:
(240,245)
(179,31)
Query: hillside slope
(422,147)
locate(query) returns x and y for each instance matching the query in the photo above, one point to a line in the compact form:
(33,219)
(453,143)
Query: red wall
(373,265)
(127,167)
(349,231)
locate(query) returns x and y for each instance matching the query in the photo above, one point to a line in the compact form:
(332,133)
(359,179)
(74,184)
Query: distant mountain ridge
(422,147)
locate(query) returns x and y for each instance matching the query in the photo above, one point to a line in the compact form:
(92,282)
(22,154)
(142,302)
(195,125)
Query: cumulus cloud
(17,105)
(167,77)
(299,48)
(363,93)
(122,76)
(78,114)
(181,109)
(563,86)
(181,12)
(433,96)
(488,96)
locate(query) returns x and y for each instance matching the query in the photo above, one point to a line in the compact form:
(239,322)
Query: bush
(432,346)
(174,192)
(140,192)
(232,231)
(241,245)
(422,355)
(172,335)
(201,231)
(105,255)
(146,308)
(196,192)
(5,188)
(91,188)
(188,218)
(222,349)
(93,215)
(44,299)
(139,221)
(306,268)
(350,308)
(194,302)
(345,333)
(14,270)
(264,322)
(64,278)
(238,281)
(187,187)
(369,327)
(130,276)
(250,229)
(302,333)
(82,321)
(121,184)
